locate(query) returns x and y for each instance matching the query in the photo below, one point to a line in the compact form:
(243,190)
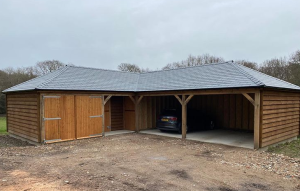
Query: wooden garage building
(79,102)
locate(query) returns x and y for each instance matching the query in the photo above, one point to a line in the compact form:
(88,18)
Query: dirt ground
(142,162)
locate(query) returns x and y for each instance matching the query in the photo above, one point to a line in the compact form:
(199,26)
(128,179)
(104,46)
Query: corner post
(103,116)
(257,121)
(184,116)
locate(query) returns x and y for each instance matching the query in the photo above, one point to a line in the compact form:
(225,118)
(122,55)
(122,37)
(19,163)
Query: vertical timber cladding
(280,116)
(88,116)
(117,114)
(129,114)
(23,115)
(230,111)
(58,118)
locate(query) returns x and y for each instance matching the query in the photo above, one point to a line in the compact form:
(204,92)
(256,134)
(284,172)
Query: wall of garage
(280,116)
(227,111)
(23,115)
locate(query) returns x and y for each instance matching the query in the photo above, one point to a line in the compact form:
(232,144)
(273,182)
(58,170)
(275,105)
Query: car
(171,120)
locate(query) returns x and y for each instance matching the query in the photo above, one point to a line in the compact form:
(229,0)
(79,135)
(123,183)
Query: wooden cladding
(117,118)
(23,115)
(280,117)
(227,111)
(129,114)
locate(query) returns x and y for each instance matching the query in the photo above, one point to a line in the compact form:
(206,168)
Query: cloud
(148,33)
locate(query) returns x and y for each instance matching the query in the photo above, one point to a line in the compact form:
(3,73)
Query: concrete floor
(119,132)
(219,136)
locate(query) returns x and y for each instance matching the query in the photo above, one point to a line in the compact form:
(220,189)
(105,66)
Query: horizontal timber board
(280,131)
(280,110)
(279,102)
(31,115)
(280,98)
(22,103)
(22,121)
(22,106)
(280,135)
(33,119)
(266,121)
(278,93)
(277,127)
(23,136)
(33,135)
(35,131)
(23,110)
(23,99)
(279,139)
(275,115)
(23,125)
(270,107)
(279,123)
(22,95)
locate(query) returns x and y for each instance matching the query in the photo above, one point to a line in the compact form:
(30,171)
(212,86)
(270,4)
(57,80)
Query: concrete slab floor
(119,132)
(219,136)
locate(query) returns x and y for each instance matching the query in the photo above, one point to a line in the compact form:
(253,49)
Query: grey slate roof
(209,76)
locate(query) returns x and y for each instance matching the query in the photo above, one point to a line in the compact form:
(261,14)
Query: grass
(3,125)
(291,149)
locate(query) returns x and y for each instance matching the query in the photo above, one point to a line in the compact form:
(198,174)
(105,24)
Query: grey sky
(148,33)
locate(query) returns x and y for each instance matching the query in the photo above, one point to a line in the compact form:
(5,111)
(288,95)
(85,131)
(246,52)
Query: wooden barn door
(59,118)
(88,116)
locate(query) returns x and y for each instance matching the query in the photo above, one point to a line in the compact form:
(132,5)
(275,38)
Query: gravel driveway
(142,162)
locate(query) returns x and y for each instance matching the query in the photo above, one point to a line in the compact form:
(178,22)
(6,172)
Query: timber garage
(78,102)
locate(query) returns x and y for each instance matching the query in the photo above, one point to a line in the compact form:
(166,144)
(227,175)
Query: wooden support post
(257,121)
(136,114)
(184,101)
(103,115)
(184,116)
(43,133)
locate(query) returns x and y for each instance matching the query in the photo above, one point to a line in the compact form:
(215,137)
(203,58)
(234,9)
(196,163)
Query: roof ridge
(180,68)
(59,71)
(252,78)
(104,69)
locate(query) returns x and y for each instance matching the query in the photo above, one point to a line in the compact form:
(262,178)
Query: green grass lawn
(3,125)
(291,149)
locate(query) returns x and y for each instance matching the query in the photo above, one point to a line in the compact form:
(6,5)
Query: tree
(127,67)
(194,61)
(248,64)
(294,68)
(276,67)
(10,77)
(44,67)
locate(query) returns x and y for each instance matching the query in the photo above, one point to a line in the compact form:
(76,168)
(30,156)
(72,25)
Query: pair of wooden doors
(68,117)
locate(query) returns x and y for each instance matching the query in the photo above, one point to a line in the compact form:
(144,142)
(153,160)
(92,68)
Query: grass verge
(3,125)
(291,149)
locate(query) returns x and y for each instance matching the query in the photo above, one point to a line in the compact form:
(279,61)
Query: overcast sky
(149,33)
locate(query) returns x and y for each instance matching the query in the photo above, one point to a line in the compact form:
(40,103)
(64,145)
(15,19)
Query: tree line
(12,76)
(285,68)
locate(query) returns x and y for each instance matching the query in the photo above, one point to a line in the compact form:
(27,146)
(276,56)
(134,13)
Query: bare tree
(276,67)
(47,66)
(248,64)
(194,61)
(10,77)
(127,67)
(294,68)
